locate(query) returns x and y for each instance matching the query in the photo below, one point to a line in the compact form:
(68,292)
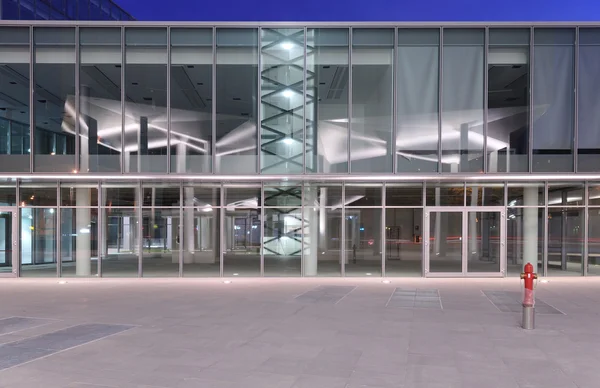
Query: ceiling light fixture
(288,93)
(287,45)
(288,140)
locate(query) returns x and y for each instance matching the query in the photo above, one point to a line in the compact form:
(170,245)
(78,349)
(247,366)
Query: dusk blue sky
(371,10)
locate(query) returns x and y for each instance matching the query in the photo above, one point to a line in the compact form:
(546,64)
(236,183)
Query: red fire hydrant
(528,276)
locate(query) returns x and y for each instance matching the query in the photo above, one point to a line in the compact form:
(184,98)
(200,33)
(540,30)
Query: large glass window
(588,138)
(553,100)
(508,100)
(14,109)
(327,79)
(100,125)
(372,100)
(282,100)
(237,83)
(160,248)
(363,242)
(417,105)
(146,100)
(54,101)
(462,100)
(191,100)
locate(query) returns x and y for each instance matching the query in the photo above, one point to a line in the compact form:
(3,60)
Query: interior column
(530,227)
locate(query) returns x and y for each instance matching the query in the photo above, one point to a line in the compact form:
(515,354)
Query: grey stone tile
(306,381)
(15,324)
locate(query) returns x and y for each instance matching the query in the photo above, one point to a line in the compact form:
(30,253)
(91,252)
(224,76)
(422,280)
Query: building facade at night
(133,149)
(62,10)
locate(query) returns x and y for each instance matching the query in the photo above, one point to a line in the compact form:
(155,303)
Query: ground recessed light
(544,280)
(62,282)
(368,274)
(236,274)
(226,281)
(386,281)
(237,99)
(134,83)
(190,66)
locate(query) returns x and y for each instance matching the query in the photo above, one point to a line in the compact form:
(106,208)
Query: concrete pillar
(493,162)
(323,238)
(83,253)
(438,224)
(188,226)
(376,233)
(473,223)
(126,234)
(563,232)
(530,227)
(311,241)
(181,157)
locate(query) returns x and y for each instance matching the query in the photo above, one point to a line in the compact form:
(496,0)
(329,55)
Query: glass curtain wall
(100,114)
(54,99)
(14,108)
(553,99)
(327,88)
(508,70)
(191,140)
(593,232)
(417,85)
(588,129)
(145,131)
(372,101)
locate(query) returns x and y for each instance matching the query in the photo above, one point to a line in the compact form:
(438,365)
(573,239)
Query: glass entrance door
(9,258)
(464,242)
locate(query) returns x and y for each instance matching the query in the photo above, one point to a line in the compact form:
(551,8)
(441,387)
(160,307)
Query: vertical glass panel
(524,239)
(121,242)
(201,241)
(161,195)
(160,249)
(372,100)
(526,194)
(553,99)
(403,242)
(363,194)
(242,196)
(7,265)
(78,194)
(282,100)
(363,242)
(120,194)
(449,194)
(445,242)
(508,100)
(242,242)
(79,241)
(8,193)
(491,194)
(322,252)
(483,233)
(565,241)
(282,242)
(565,194)
(323,194)
(462,101)
(588,137)
(191,100)
(100,113)
(404,194)
(14,108)
(237,83)
(202,195)
(594,241)
(327,77)
(594,195)
(283,195)
(54,102)
(145,145)
(38,242)
(40,194)
(417,95)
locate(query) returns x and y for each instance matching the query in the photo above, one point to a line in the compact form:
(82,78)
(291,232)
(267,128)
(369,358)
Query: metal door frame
(15,262)
(465,210)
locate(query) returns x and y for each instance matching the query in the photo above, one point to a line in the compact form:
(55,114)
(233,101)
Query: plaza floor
(297,333)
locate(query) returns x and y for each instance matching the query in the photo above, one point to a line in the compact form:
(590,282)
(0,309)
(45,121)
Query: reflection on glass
(14,116)
(202,194)
(323,194)
(282,100)
(242,242)
(404,195)
(525,194)
(417,93)
(79,241)
(566,194)
(322,253)
(327,100)
(161,195)
(242,196)
(100,144)
(37,195)
(594,242)
(38,242)
(160,248)
(445,242)
(191,100)
(372,100)
(485,195)
(120,248)
(462,100)
(237,80)
(524,239)
(146,93)
(120,194)
(78,194)
(565,241)
(483,239)
(7,264)
(553,99)
(363,195)
(403,242)
(283,195)
(282,243)
(363,242)
(508,100)
(452,194)
(54,103)
(588,135)
(201,241)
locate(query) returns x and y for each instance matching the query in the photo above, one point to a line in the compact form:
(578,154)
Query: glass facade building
(62,10)
(200,150)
